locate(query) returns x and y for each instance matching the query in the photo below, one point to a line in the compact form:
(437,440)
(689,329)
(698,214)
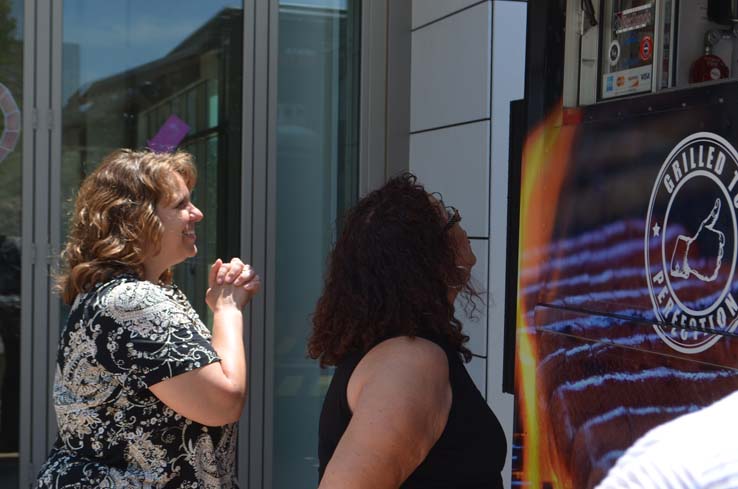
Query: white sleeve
(649,464)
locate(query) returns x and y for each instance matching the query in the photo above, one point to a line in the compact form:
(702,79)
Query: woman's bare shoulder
(412,364)
(400,397)
(416,351)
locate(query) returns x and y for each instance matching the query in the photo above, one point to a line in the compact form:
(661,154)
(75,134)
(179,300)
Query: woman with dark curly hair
(401,410)
(144,395)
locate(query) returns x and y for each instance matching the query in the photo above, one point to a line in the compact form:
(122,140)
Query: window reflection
(317,179)
(131,69)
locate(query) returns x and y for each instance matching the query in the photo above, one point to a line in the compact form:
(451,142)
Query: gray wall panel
(450,72)
(425,11)
(455,162)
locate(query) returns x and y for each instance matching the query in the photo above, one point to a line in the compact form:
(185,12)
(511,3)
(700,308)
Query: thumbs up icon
(707,239)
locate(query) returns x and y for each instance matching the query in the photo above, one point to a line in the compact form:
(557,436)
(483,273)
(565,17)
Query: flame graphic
(545,161)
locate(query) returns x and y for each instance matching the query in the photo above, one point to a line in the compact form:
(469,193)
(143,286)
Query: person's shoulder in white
(698,450)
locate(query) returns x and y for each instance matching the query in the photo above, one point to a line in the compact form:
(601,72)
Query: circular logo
(691,243)
(614,52)
(646,48)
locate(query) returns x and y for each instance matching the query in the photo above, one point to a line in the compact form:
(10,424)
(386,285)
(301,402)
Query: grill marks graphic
(603,380)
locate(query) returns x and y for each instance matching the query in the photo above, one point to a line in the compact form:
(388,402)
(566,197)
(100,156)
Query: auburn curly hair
(114,226)
(389,275)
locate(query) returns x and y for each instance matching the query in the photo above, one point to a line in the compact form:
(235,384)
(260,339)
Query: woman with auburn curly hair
(401,410)
(144,395)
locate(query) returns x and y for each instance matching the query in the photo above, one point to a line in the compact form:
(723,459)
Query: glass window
(620,48)
(317,179)
(11,97)
(159,74)
(628,37)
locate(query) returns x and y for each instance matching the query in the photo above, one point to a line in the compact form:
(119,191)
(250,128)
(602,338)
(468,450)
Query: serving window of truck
(618,48)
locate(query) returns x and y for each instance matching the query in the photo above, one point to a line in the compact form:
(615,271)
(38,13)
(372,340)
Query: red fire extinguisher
(708,67)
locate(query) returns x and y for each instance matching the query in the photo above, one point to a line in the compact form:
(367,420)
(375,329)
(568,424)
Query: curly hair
(388,275)
(114,226)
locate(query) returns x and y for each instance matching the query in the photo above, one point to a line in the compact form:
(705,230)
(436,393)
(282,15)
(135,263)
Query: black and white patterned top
(122,337)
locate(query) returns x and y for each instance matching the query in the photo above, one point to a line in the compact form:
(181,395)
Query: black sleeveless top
(469,454)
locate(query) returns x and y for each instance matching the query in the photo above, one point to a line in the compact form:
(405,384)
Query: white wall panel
(450,70)
(425,11)
(475,322)
(455,162)
(508,76)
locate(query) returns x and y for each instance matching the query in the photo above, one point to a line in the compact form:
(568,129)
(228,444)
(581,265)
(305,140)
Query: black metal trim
(518,131)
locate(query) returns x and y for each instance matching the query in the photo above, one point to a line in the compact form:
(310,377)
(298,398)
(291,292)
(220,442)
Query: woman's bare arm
(214,395)
(400,397)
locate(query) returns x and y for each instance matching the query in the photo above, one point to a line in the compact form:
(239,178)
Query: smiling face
(178,216)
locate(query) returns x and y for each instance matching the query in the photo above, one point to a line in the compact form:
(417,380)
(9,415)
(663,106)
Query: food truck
(624,166)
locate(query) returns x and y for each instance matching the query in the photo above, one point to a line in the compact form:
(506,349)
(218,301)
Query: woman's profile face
(178,216)
(465,257)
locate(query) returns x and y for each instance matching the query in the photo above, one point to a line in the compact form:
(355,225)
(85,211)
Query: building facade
(293,110)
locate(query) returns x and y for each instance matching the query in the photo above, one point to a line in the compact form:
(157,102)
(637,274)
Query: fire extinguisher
(708,67)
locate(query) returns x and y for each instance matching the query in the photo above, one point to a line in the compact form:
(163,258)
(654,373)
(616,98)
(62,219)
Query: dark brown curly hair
(388,275)
(114,226)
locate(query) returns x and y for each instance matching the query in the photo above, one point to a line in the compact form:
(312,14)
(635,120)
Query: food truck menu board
(627,49)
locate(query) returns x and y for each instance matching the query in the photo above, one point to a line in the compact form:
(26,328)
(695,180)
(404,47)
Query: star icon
(656,229)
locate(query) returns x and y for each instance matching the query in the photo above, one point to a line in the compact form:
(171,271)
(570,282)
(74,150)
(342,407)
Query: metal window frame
(384,128)
(373,96)
(27,345)
(40,228)
(399,58)
(257,153)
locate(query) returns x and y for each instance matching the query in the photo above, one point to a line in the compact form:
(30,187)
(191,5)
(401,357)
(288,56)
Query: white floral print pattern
(122,337)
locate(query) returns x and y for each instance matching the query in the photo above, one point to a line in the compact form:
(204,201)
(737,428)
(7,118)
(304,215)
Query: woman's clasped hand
(231,284)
